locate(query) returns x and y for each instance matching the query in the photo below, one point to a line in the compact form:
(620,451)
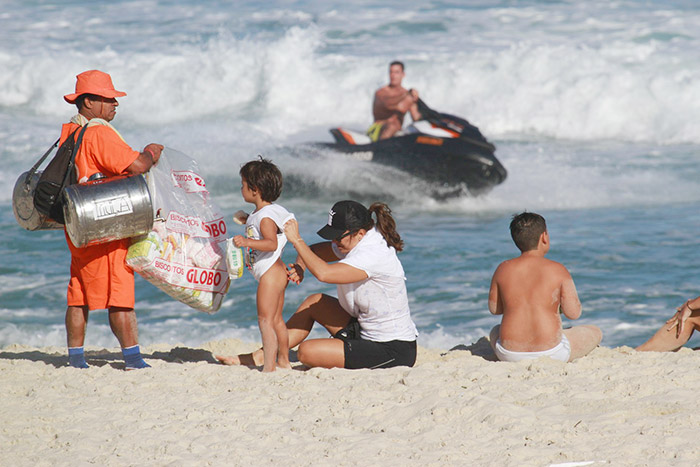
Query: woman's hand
(295,273)
(240,241)
(679,319)
(291,230)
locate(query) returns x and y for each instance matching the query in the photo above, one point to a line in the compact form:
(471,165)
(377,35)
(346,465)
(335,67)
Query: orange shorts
(99,276)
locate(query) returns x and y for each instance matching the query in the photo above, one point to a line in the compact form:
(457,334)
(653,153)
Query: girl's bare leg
(281,332)
(269,297)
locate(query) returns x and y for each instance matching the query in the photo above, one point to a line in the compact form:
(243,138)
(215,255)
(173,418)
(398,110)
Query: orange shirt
(100,277)
(102,150)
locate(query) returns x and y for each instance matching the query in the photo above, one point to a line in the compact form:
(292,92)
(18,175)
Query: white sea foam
(236,83)
(535,70)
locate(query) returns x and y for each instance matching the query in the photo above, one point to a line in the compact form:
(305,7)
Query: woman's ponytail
(386,225)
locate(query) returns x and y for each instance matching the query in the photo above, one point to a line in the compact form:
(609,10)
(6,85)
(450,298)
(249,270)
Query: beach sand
(457,407)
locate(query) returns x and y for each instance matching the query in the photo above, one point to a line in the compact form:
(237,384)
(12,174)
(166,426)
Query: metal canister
(108,209)
(23,204)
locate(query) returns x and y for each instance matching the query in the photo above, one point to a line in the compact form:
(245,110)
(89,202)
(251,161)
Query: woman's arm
(324,250)
(336,273)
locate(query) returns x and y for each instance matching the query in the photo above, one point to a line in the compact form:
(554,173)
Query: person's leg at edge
(76,323)
(665,339)
(583,339)
(124,325)
(316,308)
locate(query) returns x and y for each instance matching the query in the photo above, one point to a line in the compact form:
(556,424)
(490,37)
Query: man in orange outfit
(100,278)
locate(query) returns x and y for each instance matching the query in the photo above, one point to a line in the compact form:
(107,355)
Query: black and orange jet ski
(440,148)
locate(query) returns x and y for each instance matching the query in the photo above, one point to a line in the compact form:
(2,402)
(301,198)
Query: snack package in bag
(186,255)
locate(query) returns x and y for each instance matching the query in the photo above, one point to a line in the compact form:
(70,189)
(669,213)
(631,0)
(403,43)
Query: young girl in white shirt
(261,185)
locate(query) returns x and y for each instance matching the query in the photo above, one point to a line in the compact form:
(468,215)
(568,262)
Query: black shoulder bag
(48,195)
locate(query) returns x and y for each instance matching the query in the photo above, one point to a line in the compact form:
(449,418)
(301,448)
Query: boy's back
(529,291)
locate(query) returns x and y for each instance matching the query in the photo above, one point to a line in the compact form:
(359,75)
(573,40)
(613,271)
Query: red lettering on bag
(215,228)
(163,266)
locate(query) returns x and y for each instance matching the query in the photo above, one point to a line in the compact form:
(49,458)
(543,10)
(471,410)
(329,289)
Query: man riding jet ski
(436,147)
(391,102)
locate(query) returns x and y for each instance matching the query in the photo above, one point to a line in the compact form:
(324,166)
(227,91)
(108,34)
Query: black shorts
(361,353)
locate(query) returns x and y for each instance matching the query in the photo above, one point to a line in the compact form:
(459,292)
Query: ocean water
(594,108)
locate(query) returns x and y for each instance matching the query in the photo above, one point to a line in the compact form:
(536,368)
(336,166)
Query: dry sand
(459,407)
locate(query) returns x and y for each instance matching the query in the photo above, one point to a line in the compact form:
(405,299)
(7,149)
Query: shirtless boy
(530,291)
(391,102)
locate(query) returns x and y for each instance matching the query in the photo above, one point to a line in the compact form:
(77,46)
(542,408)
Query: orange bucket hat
(94,82)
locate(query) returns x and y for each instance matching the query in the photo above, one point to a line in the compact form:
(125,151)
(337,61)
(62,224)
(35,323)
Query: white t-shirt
(260,261)
(380,302)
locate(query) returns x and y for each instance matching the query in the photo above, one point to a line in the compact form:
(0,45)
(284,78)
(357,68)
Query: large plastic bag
(186,255)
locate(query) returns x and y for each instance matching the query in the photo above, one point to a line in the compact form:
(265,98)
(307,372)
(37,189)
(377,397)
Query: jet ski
(441,148)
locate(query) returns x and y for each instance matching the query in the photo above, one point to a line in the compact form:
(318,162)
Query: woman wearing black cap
(370,320)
